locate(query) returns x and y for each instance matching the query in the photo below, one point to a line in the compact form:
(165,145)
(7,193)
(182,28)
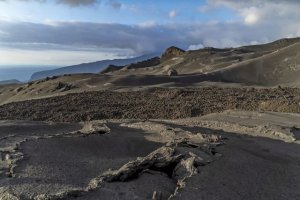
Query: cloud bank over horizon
(67,2)
(248,22)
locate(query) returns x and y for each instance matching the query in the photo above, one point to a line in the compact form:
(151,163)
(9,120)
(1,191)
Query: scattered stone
(100,105)
(64,87)
(95,127)
(5,195)
(172,72)
(156,196)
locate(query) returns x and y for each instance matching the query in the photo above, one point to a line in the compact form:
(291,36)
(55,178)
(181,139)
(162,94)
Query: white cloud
(173,14)
(195,47)
(51,57)
(3,34)
(262,11)
(66,2)
(148,24)
(259,22)
(74,3)
(251,18)
(138,39)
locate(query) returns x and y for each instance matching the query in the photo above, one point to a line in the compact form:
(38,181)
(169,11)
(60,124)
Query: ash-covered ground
(159,103)
(230,155)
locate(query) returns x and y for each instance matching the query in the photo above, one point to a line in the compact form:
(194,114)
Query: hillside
(276,68)
(267,65)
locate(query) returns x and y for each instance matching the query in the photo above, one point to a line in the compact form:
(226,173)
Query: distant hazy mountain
(12,81)
(21,72)
(94,67)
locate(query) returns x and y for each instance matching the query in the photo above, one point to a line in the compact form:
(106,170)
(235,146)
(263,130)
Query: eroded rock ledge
(180,161)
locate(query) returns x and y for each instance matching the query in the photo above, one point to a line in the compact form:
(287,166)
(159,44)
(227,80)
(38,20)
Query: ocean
(21,73)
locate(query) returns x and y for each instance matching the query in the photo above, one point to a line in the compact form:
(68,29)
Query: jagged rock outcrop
(160,158)
(110,69)
(61,86)
(146,63)
(142,64)
(172,52)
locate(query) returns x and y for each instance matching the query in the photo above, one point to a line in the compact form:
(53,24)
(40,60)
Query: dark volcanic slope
(158,103)
(280,67)
(250,168)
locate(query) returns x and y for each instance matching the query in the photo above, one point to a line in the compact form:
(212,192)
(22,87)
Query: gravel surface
(154,104)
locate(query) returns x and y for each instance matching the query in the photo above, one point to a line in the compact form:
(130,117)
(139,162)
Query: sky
(67,32)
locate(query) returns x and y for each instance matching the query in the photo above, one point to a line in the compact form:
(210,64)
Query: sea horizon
(21,72)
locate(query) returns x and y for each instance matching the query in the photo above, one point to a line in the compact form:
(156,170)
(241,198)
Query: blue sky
(65,32)
(125,12)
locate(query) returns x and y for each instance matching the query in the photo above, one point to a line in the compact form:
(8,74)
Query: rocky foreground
(99,159)
(232,155)
(157,144)
(152,104)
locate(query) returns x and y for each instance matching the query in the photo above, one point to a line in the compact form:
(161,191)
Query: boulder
(172,72)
